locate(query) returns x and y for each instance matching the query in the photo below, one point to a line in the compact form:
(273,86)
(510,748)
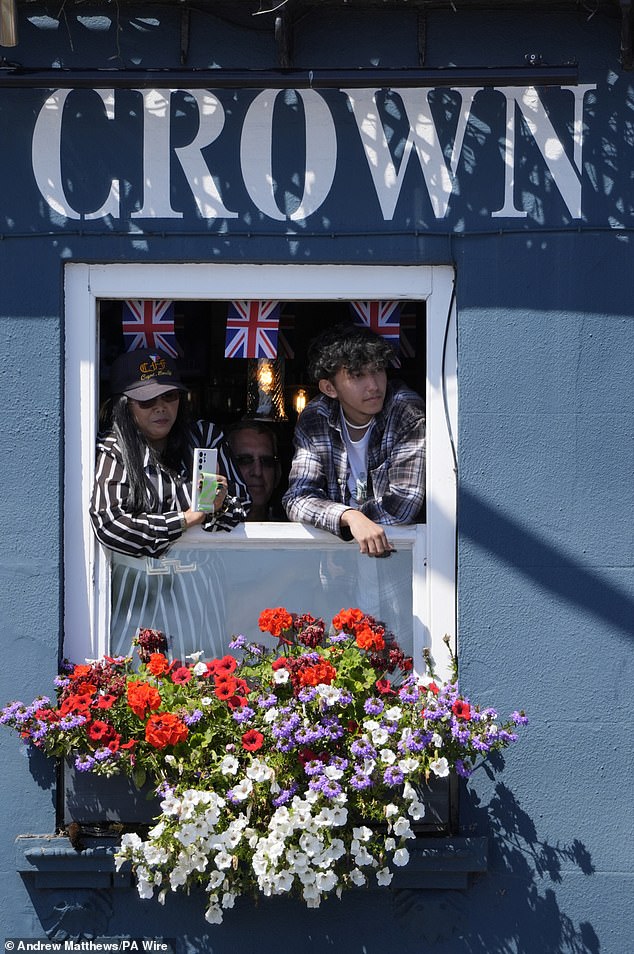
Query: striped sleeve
(144,534)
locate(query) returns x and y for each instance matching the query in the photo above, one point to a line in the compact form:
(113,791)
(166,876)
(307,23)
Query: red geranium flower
(274,621)
(367,638)
(143,698)
(346,619)
(157,664)
(80,671)
(252,740)
(165,729)
(322,673)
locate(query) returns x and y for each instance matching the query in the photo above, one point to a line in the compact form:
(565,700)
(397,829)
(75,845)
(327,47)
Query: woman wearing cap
(141,501)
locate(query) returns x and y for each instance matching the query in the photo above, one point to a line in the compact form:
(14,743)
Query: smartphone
(204,483)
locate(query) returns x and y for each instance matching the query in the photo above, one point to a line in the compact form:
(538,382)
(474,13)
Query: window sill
(436,863)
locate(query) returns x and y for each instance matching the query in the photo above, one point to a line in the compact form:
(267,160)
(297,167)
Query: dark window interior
(221,388)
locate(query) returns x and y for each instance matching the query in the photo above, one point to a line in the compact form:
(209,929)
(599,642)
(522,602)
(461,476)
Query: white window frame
(86,566)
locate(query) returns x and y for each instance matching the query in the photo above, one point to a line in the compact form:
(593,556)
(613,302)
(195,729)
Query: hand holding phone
(204,479)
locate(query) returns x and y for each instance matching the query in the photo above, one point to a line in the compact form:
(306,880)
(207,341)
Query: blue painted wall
(546,440)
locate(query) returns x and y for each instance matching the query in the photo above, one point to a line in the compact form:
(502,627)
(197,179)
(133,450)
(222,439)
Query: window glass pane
(200,597)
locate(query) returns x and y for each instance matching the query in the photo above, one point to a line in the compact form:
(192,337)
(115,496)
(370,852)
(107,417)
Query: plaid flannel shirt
(318,483)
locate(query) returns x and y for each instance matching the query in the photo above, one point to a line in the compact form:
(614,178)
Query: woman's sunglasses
(170,397)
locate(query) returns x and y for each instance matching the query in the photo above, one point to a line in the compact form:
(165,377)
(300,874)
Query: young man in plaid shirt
(359,462)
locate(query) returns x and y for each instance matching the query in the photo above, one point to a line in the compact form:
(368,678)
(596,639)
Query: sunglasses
(248,460)
(170,397)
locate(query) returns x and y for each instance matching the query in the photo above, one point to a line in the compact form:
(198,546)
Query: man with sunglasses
(254,448)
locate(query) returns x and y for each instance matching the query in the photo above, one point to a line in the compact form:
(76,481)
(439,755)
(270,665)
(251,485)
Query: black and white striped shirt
(151,534)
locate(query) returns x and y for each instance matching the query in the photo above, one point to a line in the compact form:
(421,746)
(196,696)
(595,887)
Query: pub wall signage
(388,145)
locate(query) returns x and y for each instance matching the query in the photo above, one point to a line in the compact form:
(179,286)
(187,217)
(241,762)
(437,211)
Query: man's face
(360,394)
(255,457)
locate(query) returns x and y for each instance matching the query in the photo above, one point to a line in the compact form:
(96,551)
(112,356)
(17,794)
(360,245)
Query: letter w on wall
(422,139)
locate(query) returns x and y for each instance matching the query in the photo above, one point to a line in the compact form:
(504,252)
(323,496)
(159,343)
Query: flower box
(94,800)
(303,770)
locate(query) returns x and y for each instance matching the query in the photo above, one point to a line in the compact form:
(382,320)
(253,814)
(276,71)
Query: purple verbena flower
(373,706)
(193,717)
(393,775)
(360,781)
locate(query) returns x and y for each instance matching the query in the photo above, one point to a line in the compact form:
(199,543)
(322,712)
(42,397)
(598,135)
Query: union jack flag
(149,324)
(382,317)
(252,329)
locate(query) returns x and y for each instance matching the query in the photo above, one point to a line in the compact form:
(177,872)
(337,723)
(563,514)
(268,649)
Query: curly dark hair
(346,346)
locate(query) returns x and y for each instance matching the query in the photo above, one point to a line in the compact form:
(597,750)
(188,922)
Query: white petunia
(357,877)
(195,656)
(283,881)
(416,810)
(401,857)
(228,899)
(402,828)
(391,810)
(242,790)
(215,880)
(213,914)
(440,767)
(259,771)
(326,880)
(408,765)
(387,756)
(229,765)
(330,694)
(199,669)
(384,876)
(362,856)
(206,700)
(380,736)
(363,833)
(393,714)
(281,676)
(436,740)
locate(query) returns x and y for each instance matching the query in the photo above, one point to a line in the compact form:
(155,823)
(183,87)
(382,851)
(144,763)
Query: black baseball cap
(144,374)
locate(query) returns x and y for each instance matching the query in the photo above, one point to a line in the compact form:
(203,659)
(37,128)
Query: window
(420,583)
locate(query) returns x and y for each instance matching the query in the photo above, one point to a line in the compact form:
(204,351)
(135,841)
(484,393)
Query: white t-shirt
(357,451)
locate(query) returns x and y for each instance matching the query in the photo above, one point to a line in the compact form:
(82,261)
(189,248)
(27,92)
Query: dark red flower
(385,687)
(461,709)
(100,731)
(252,740)
(106,701)
(181,675)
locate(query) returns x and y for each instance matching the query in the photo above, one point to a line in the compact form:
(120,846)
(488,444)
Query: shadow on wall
(541,561)
(523,912)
